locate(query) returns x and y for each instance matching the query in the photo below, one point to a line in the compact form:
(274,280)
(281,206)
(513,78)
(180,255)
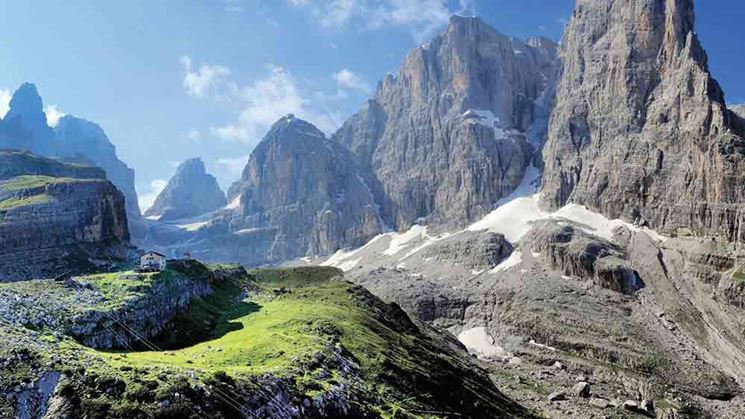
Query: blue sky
(174,79)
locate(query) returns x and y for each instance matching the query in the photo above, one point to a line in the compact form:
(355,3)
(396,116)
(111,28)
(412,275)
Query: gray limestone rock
(83,140)
(76,140)
(455,129)
(579,254)
(473,250)
(739,110)
(189,193)
(302,194)
(640,129)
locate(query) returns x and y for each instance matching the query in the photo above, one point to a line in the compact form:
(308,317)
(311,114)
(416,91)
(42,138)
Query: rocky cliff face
(81,138)
(74,139)
(190,192)
(302,194)
(451,132)
(55,217)
(640,129)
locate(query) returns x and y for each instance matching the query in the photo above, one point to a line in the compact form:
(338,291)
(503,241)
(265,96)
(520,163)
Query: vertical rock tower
(640,129)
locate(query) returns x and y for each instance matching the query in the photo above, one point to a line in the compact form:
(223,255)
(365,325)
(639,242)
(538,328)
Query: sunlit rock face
(190,192)
(455,129)
(640,129)
(303,194)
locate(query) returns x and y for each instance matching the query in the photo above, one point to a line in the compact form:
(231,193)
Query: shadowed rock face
(190,192)
(302,194)
(448,135)
(54,217)
(640,129)
(79,137)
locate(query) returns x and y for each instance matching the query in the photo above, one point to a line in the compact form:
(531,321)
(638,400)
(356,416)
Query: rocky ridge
(456,128)
(301,194)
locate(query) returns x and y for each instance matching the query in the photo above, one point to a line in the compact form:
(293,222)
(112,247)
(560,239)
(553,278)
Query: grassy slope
(20,202)
(31,181)
(291,316)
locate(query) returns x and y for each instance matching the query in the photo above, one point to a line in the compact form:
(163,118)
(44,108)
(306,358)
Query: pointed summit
(26,122)
(189,193)
(640,129)
(447,135)
(27,103)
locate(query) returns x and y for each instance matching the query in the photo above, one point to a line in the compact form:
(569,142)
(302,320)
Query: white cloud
(423,17)
(147,198)
(267,100)
(339,12)
(5,97)
(194,135)
(53,115)
(467,7)
(348,79)
(207,79)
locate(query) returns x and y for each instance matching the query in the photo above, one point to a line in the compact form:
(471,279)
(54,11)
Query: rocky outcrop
(55,217)
(450,134)
(575,253)
(85,140)
(473,250)
(301,194)
(640,129)
(74,139)
(190,192)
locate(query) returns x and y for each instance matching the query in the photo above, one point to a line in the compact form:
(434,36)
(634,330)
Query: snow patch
(480,343)
(248,230)
(235,203)
(540,345)
(193,226)
(399,241)
(515,259)
(349,265)
(487,118)
(515,218)
(527,187)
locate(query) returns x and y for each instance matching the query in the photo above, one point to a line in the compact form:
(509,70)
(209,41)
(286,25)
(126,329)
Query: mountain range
(572,212)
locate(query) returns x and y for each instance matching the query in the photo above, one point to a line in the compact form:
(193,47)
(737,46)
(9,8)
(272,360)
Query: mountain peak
(292,124)
(190,192)
(456,20)
(26,102)
(194,164)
